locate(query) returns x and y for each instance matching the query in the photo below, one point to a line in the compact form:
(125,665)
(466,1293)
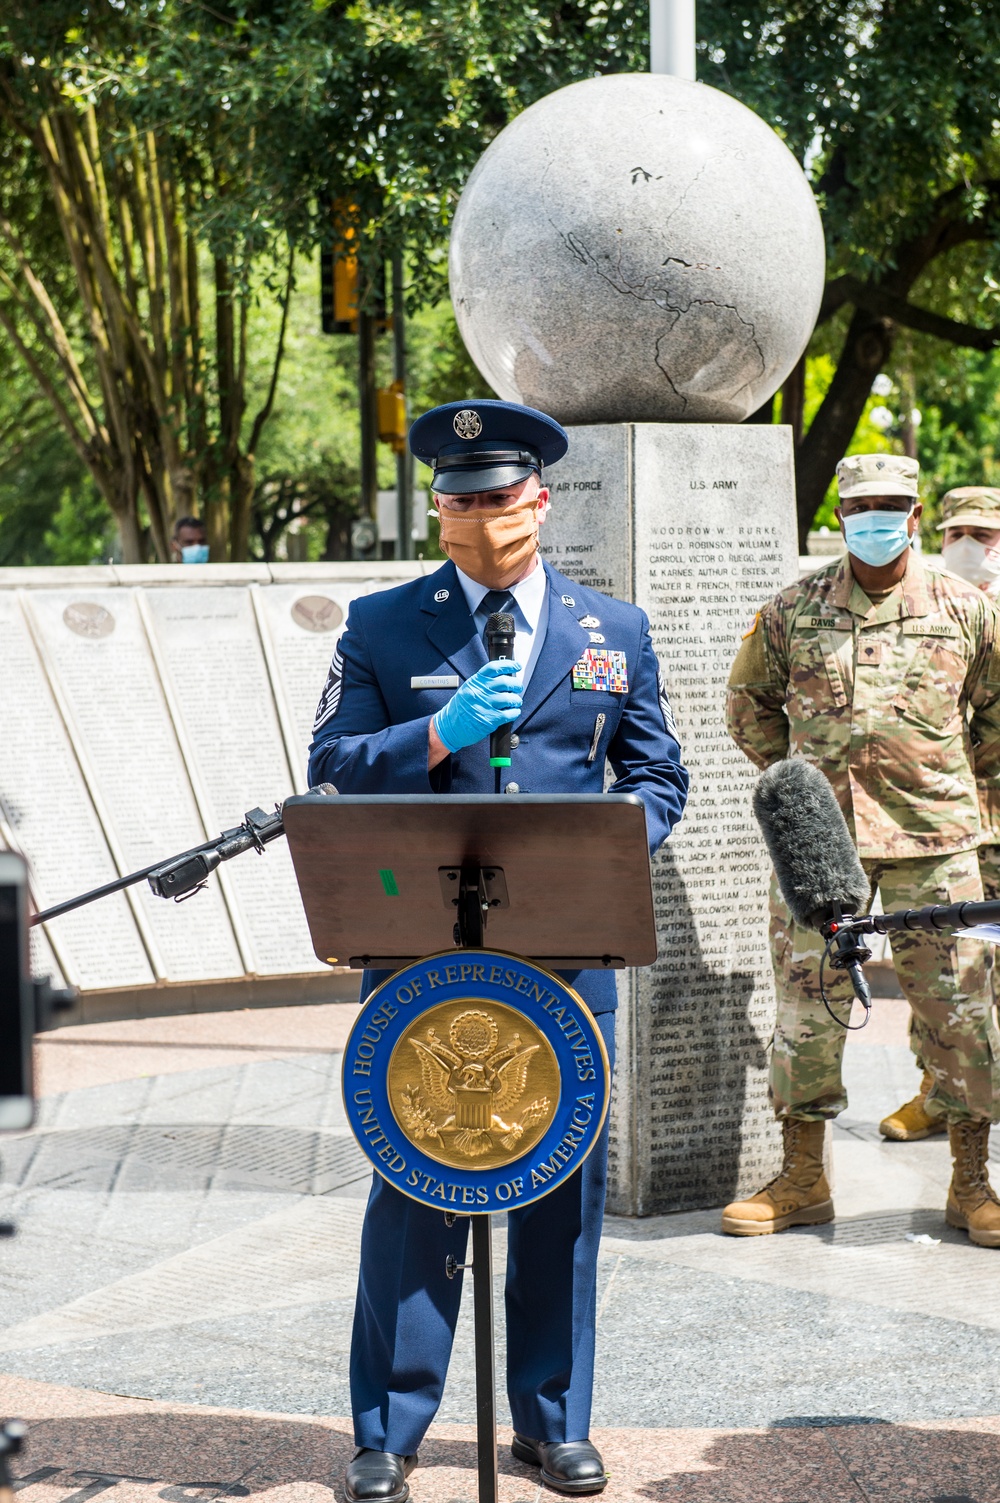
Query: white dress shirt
(531,613)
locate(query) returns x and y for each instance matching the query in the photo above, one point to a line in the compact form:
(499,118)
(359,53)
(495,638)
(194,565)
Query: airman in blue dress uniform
(408,707)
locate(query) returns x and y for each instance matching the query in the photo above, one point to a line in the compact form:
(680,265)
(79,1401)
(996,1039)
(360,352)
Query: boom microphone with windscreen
(499,636)
(810,845)
(815,861)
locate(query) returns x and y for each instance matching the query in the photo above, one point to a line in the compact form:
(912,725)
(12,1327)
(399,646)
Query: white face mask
(973,561)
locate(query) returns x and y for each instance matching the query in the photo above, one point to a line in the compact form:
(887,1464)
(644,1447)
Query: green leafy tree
(958,407)
(107,247)
(160,161)
(894,108)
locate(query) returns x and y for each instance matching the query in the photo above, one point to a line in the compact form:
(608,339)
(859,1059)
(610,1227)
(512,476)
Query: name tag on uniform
(825,623)
(917,628)
(434,681)
(600,668)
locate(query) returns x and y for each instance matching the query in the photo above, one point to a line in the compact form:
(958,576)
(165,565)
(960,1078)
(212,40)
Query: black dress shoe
(568,1466)
(378,1477)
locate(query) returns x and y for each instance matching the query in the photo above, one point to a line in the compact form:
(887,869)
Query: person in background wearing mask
(189,542)
(409,705)
(884,673)
(971,549)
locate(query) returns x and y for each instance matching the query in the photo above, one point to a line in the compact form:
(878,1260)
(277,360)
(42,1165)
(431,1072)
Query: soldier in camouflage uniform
(884,674)
(970,521)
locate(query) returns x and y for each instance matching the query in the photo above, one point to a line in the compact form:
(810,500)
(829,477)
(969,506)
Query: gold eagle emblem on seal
(473,1084)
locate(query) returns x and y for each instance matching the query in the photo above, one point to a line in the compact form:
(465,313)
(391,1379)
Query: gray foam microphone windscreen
(814,857)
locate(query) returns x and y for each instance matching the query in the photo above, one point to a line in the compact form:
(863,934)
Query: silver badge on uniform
(440,595)
(597,636)
(467,423)
(568,600)
(329,700)
(589,621)
(669,723)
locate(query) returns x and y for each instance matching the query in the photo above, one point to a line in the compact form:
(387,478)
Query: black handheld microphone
(500,644)
(815,861)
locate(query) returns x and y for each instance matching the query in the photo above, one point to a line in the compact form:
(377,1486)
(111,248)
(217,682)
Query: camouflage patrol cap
(970,506)
(877,475)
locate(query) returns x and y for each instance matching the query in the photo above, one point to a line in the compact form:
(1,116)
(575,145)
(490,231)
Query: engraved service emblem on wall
(475,1080)
(317,613)
(88,619)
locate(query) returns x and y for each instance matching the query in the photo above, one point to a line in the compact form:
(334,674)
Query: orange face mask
(492,547)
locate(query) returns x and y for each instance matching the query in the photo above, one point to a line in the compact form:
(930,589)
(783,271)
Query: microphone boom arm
(845,949)
(938,919)
(180,877)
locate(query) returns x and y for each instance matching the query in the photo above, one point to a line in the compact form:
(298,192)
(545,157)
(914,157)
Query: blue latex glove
(490,698)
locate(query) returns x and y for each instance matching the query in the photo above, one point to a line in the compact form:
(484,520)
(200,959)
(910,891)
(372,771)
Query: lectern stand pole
(447,871)
(486,1397)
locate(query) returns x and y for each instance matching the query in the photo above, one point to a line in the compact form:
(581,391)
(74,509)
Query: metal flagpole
(671,37)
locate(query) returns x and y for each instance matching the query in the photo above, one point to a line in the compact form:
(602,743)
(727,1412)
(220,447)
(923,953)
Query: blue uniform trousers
(407,1307)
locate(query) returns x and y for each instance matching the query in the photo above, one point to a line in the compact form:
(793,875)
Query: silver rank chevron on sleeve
(669,723)
(329,700)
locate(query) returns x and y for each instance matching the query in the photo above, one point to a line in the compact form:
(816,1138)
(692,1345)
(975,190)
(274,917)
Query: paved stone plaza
(177,1302)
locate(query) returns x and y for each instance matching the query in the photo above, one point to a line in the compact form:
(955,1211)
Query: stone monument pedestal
(695,523)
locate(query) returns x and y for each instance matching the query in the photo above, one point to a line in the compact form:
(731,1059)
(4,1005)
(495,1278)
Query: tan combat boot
(910,1122)
(798,1196)
(972,1205)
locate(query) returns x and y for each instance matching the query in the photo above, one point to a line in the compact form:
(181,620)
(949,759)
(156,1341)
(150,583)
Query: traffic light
(392,416)
(340,286)
(338,274)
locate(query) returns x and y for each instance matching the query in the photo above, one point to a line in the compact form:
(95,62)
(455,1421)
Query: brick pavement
(176,1308)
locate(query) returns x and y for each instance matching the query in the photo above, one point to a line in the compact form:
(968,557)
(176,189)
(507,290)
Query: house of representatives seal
(475,1080)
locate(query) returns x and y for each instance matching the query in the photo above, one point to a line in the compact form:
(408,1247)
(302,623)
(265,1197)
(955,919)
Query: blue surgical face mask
(877,537)
(195,553)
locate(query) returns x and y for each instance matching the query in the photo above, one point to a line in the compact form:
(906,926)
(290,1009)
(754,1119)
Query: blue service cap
(482,444)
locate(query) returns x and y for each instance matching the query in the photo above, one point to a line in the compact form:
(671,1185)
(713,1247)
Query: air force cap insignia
(467,423)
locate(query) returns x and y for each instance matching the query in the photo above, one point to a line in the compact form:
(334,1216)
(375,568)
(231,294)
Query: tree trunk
(215,513)
(866,349)
(793,400)
(127,520)
(241,488)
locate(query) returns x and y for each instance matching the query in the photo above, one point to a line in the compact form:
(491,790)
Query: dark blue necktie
(493,601)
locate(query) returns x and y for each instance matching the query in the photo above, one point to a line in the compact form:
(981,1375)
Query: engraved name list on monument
(588,533)
(46,808)
(709,550)
(98,655)
(212,655)
(711,523)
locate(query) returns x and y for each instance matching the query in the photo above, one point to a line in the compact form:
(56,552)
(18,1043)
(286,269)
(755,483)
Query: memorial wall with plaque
(141,719)
(695,524)
(50,818)
(97,653)
(301,624)
(216,674)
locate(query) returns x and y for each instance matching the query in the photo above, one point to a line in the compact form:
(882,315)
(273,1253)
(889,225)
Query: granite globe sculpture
(637,248)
